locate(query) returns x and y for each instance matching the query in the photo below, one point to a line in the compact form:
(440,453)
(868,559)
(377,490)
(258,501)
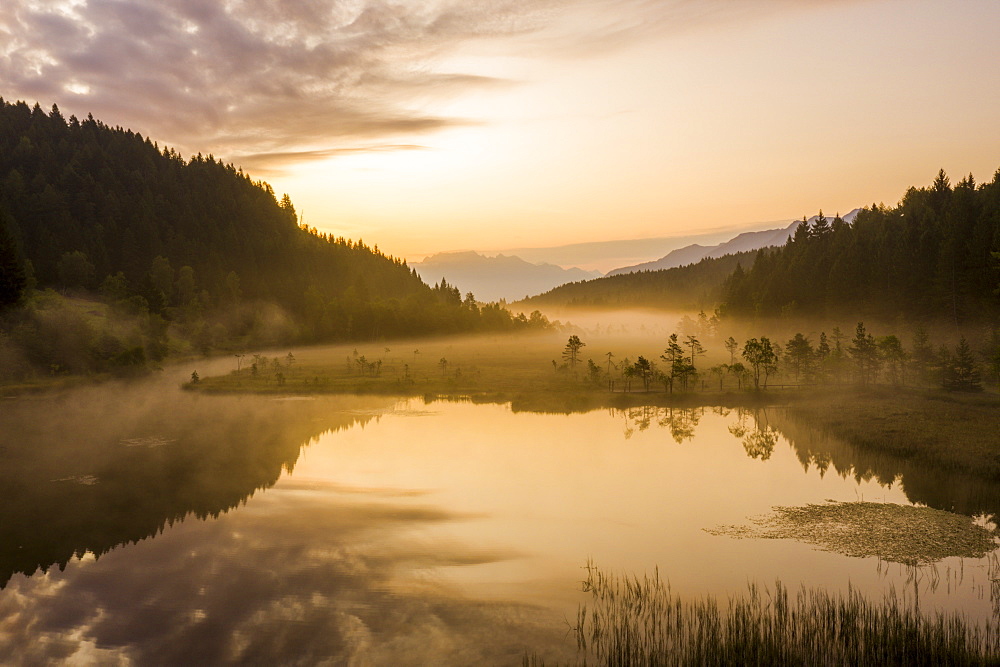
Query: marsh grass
(635,620)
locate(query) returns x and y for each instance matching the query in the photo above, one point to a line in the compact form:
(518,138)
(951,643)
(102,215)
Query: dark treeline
(89,208)
(694,286)
(933,256)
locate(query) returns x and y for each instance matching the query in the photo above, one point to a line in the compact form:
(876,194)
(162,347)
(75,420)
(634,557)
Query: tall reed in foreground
(640,621)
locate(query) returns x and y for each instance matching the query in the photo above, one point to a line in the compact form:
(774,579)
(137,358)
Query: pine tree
(676,363)
(13,280)
(962,372)
(571,353)
(821,227)
(865,354)
(800,354)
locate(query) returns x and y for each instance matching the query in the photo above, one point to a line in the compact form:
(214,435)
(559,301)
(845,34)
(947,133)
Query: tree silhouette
(644,369)
(593,371)
(762,359)
(864,351)
(674,356)
(891,352)
(694,345)
(800,354)
(733,348)
(12,278)
(571,353)
(961,373)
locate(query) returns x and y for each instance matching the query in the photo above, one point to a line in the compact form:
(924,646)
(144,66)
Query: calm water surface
(139,524)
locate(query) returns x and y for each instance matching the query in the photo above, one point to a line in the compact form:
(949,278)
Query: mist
(233,433)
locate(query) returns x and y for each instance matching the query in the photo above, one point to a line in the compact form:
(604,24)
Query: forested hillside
(695,286)
(93,210)
(933,256)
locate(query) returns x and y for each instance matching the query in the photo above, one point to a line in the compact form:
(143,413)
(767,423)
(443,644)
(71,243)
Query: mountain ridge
(506,277)
(754,240)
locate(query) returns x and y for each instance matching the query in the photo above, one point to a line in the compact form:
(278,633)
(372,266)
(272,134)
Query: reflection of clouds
(286,577)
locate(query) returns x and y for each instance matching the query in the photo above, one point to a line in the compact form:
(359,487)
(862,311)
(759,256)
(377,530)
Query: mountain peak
(739,243)
(493,278)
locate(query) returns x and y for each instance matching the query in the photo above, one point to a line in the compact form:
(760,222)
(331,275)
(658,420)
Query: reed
(634,620)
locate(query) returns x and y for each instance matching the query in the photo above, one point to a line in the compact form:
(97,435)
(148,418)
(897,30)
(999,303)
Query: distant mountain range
(511,277)
(606,255)
(495,278)
(741,243)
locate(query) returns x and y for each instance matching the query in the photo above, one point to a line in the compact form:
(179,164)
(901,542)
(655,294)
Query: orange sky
(436,125)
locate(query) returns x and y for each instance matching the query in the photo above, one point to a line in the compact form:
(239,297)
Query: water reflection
(399,533)
(932,485)
(759,431)
(119,541)
(681,422)
(282,580)
(109,468)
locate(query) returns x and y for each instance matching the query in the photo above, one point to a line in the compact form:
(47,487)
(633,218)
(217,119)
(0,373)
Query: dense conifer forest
(194,249)
(934,256)
(695,287)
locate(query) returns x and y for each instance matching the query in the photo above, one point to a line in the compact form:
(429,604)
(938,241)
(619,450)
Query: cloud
(247,76)
(274,162)
(259,77)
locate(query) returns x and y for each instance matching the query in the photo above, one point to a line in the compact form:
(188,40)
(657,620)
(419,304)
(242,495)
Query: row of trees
(864,359)
(935,255)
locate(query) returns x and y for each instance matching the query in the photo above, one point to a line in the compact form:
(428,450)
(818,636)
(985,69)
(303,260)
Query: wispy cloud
(248,76)
(275,162)
(288,79)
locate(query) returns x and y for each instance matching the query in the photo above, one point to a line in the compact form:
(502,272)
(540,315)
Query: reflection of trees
(758,437)
(760,442)
(758,430)
(681,422)
(96,474)
(640,417)
(925,483)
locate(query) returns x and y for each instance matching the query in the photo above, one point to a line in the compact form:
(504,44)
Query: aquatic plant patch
(897,533)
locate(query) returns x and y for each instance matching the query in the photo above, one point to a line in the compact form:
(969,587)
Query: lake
(142,524)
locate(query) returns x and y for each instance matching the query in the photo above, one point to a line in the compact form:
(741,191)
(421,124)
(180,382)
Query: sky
(434,125)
